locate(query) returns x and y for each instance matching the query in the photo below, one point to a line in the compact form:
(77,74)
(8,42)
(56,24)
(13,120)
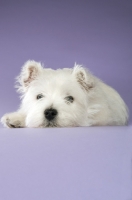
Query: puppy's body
(64,98)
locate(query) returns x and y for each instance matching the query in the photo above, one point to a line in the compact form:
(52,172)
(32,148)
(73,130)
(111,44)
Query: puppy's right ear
(83,77)
(30,72)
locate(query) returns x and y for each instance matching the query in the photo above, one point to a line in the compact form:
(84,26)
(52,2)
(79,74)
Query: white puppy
(64,98)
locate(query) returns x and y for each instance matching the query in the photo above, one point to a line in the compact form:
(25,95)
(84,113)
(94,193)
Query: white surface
(66,164)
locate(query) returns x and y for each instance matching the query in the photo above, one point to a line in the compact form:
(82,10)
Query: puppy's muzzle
(50,114)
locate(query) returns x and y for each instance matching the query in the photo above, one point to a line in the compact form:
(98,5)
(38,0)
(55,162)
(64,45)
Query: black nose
(50,114)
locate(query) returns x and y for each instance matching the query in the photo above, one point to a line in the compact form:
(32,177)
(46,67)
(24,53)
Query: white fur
(95,103)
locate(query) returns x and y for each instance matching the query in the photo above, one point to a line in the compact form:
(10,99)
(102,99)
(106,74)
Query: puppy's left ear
(83,77)
(30,72)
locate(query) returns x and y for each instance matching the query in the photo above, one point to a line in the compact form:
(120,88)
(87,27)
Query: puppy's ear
(83,77)
(30,72)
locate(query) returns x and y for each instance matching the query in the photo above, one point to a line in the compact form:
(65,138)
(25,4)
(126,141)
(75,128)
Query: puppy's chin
(51,124)
(48,124)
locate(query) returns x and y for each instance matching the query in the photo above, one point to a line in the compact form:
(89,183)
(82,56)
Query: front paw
(11,120)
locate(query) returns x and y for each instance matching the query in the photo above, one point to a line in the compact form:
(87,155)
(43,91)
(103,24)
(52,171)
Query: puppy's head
(54,98)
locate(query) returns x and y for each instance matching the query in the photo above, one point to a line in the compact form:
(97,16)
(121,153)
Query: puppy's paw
(12,120)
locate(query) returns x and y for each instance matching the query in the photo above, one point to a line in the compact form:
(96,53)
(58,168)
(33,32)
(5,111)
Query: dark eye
(69,99)
(39,96)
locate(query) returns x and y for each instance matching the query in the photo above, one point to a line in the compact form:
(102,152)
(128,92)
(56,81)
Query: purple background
(97,34)
(68,163)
